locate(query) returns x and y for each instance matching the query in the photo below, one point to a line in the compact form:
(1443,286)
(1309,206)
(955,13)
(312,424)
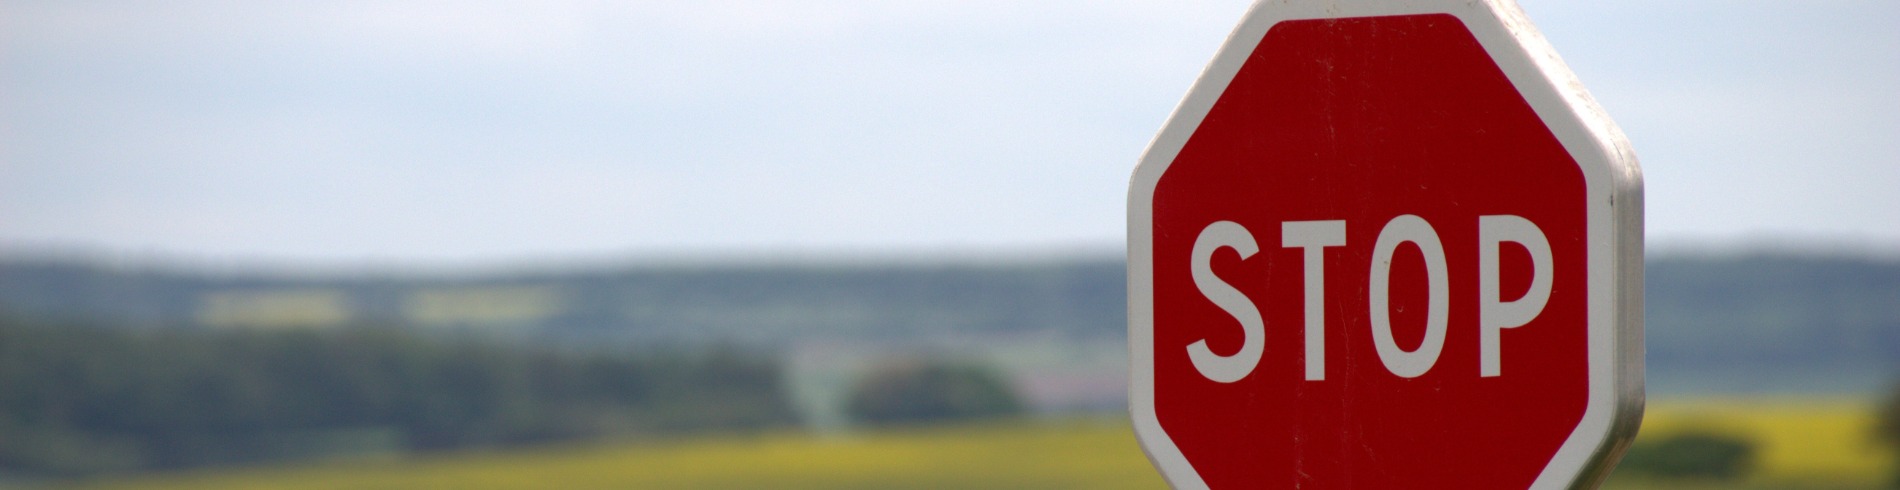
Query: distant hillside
(1728,323)
(1773,323)
(751,305)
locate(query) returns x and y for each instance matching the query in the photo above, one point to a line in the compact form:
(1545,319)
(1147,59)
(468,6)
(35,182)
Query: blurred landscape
(292,245)
(116,369)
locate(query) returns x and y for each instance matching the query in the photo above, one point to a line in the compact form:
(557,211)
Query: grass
(1803,443)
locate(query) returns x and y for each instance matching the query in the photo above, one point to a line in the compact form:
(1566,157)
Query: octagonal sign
(1386,244)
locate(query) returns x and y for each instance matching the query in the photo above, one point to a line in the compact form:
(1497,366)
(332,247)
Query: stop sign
(1386,244)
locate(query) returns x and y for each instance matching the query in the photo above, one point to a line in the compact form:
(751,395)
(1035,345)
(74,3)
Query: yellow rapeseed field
(1800,442)
(1078,455)
(1803,443)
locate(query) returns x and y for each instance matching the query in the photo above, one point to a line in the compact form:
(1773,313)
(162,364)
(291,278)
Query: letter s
(1230,368)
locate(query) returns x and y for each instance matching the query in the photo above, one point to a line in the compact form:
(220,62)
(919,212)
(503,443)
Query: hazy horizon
(1835,248)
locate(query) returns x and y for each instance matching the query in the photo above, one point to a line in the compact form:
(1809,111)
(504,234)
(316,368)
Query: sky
(471,131)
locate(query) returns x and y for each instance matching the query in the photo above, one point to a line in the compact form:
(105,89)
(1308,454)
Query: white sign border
(1613,185)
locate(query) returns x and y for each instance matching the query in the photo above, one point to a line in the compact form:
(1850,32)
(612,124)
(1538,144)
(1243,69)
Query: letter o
(1402,229)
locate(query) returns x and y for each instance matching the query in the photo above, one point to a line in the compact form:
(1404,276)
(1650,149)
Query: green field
(1807,444)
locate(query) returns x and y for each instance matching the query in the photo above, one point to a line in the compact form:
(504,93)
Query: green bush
(1887,427)
(1700,455)
(919,392)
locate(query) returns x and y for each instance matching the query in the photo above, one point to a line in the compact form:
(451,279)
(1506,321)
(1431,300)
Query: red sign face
(1368,266)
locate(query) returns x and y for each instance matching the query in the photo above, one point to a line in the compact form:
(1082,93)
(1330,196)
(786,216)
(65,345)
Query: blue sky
(468,131)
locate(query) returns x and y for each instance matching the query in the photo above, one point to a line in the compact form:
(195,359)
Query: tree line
(80,400)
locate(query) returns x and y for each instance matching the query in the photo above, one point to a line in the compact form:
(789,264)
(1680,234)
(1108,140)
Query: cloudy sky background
(467,131)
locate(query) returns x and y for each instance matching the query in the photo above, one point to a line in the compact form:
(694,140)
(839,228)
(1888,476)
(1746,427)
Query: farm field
(1802,443)
(1807,443)
(1075,454)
